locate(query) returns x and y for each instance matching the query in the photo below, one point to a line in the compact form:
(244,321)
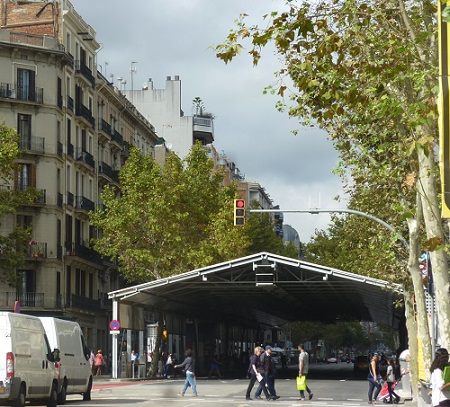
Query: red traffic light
(239,203)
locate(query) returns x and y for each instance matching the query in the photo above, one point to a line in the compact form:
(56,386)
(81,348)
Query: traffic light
(239,212)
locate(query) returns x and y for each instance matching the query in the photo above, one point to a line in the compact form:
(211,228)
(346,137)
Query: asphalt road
(332,385)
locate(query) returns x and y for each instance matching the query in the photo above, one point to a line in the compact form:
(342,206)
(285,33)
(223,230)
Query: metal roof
(270,290)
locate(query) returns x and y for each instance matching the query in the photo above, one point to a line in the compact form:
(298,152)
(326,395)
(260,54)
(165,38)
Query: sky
(174,37)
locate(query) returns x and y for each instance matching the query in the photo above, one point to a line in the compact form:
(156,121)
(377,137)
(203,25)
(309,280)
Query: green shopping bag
(301,382)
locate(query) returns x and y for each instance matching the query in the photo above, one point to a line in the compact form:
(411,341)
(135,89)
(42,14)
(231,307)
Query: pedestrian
(168,366)
(269,374)
(188,366)
(439,394)
(91,361)
(303,370)
(214,366)
(256,374)
(374,380)
(135,362)
(390,380)
(98,363)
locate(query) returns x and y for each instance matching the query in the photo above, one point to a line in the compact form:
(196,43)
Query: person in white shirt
(439,393)
(303,369)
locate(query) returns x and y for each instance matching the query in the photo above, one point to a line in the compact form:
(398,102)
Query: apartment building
(76,129)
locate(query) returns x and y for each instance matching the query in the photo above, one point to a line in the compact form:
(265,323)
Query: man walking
(269,374)
(303,368)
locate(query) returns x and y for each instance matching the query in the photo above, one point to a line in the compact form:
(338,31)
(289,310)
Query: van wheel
(62,395)
(20,400)
(53,399)
(87,393)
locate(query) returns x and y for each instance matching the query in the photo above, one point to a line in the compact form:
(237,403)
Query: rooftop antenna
(133,71)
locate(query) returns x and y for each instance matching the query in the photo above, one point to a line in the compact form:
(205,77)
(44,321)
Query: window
(24,129)
(26,85)
(25,177)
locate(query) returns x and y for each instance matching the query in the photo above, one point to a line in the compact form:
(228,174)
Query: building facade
(75,131)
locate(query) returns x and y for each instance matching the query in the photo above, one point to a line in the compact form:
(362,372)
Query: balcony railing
(89,304)
(39,199)
(126,149)
(104,126)
(85,113)
(9,91)
(117,137)
(84,252)
(32,144)
(85,157)
(81,202)
(29,300)
(37,250)
(85,71)
(106,170)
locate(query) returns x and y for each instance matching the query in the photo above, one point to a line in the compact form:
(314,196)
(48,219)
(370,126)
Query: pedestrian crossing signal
(239,212)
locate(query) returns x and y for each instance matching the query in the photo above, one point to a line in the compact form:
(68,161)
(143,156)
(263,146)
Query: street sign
(114,325)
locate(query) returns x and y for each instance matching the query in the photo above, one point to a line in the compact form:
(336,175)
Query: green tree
(168,220)
(366,73)
(12,244)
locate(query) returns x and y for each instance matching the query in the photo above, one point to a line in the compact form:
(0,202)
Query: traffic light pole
(352,211)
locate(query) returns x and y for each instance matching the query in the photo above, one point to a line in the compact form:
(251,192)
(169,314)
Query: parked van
(28,371)
(74,369)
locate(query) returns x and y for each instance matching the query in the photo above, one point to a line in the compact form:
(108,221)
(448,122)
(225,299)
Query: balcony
(116,139)
(29,300)
(86,158)
(104,129)
(37,250)
(82,111)
(84,204)
(204,129)
(80,67)
(22,93)
(107,174)
(81,302)
(84,252)
(40,198)
(32,144)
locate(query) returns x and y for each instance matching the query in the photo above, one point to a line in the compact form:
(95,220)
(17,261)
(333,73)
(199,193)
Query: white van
(28,371)
(74,369)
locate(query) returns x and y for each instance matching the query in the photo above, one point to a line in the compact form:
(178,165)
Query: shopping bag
(301,382)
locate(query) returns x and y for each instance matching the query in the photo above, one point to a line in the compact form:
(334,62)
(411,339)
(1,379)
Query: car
(332,359)
(361,365)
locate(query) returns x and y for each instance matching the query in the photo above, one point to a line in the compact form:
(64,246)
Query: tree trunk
(412,344)
(156,355)
(423,331)
(434,229)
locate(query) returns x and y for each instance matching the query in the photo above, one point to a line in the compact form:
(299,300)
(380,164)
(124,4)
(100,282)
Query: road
(332,385)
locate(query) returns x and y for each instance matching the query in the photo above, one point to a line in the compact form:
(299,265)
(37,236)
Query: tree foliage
(366,72)
(14,243)
(165,221)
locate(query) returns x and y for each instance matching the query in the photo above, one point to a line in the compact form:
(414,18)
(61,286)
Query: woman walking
(374,380)
(390,380)
(189,366)
(439,395)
